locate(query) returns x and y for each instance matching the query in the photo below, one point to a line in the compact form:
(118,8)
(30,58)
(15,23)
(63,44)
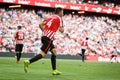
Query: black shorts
(113,55)
(18,47)
(83,51)
(47,44)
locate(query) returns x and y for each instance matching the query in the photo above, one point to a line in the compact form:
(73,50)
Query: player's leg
(53,61)
(17,52)
(83,55)
(37,57)
(115,58)
(20,51)
(34,59)
(17,55)
(112,58)
(44,49)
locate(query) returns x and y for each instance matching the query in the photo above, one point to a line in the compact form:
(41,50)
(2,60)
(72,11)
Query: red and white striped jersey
(19,37)
(52,24)
(84,44)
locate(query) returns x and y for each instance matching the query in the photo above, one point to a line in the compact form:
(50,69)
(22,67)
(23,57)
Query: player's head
(36,39)
(19,27)
(59,11)
(87,38)
(114,47)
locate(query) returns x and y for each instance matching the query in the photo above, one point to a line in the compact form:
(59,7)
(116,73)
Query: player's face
(61,13)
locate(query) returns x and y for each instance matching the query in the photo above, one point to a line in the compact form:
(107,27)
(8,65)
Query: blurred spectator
(106,3)
(103,32)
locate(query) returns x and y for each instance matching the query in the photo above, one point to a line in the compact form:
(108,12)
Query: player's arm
(61,29)
(41,25)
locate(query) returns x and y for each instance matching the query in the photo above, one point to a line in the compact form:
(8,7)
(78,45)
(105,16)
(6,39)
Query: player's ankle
(18,62)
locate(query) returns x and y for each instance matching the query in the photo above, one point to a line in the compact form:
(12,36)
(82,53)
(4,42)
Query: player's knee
(43,54)
(53,51)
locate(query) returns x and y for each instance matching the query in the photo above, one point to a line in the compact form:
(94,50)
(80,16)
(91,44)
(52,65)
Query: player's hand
(41,25)
(61,29)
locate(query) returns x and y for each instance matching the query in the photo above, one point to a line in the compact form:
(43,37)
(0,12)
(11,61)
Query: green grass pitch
(71,70)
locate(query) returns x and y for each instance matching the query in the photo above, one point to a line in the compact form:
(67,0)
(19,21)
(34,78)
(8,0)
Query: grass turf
(71,70)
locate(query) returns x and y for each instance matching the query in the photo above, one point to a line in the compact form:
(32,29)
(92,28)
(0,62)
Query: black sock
(53,62)
(17,55)
(80,54)
(83,57)
(37,57)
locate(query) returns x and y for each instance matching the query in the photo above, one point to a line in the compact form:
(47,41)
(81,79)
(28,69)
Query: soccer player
(19,38)
(37,45)
(84,46)
(49,27)
(114,55)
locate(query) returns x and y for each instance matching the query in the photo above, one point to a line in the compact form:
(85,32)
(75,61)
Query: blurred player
(19,37)
(84,46)
(114,55)
(37,45)
(49,27)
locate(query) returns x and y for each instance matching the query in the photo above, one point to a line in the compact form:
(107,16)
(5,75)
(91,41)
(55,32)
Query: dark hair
(19,27)
(58,9)
(36,39)
(87,38)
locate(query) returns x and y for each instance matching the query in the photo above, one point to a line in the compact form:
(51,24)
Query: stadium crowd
(106,3)
(103,32)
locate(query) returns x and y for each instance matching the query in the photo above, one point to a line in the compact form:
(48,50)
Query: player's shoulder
(47,19)
(57,17)
(16,31)
(54,17)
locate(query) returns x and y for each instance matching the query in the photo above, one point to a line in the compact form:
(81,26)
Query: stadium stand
(103,32)
(106,3)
